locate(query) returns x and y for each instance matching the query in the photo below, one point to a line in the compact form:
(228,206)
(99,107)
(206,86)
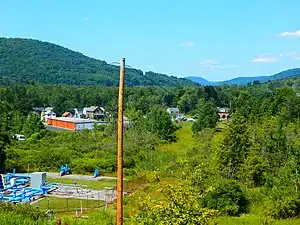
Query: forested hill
(26,61)
(246,80)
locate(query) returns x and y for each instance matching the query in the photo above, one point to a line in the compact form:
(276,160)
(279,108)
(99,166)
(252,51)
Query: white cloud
(208,62)
(86,18)
(288,54)
(213,64)
(291,55)
(188,44)
(265,59)
(290,34)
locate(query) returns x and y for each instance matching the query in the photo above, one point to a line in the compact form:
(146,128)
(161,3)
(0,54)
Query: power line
(147,78)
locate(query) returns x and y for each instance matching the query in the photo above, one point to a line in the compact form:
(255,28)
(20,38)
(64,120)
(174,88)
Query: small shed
(38,179)
(67,114)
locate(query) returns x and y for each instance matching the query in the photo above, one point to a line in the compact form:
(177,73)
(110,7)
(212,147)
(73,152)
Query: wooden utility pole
(120,146)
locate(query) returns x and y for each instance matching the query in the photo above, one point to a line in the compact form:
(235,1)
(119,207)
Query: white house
(174,112)
(94,112)
(78,113)
(47,113)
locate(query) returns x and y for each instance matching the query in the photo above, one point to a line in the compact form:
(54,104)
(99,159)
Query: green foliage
(253,170)
(200,176)
(288,207)
(27,212)
(189,100)
(207,116)
(235,146)
(4,133)
(180,205)
(26,61)
(158,121)
(244,104)
(17,122)
(258,148)
(33,124)
(283,204)
(84,151)
(227,197)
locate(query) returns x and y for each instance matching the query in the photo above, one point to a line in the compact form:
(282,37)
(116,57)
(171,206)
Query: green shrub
(253,171)
(227,197)
(284,207)
(129,172)
(22,210)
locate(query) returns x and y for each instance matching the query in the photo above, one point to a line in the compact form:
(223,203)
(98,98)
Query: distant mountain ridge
(245,80)
(27,61)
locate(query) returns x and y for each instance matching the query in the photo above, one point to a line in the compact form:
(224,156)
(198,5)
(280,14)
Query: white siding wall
(82,126)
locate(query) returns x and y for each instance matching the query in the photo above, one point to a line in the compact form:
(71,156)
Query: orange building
(73,123)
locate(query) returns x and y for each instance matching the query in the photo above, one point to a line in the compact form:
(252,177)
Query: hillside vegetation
(26,61)
(246,80)
(241,171)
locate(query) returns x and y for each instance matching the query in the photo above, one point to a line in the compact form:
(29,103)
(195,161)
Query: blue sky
(214,39)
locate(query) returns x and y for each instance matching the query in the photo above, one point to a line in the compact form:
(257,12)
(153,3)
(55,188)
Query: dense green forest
(26,61)
(202,172)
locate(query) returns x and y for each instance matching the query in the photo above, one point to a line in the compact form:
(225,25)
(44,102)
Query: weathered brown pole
(120,146)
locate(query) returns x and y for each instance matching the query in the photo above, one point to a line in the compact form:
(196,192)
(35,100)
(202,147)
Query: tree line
(250,161)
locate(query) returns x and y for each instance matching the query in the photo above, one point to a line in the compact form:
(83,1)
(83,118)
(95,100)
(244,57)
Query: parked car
(180,119)
(19,137)
(190,120)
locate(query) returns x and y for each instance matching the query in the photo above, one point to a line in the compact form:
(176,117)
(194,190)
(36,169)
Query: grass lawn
(184,142)
(93,184)
(64,205)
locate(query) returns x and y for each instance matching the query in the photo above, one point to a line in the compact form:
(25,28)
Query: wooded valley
(241,171)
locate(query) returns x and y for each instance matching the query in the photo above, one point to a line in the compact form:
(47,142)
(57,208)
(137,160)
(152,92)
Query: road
(79,177)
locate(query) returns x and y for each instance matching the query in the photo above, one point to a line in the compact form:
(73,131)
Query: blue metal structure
(16,194)
(1,182)
(96,173)
(17,191)
(64,170)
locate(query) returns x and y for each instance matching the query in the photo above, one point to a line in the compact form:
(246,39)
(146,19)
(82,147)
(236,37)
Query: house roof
(90,109)
(49,112)
(93,108)
(79,110)
(66,114)
(223,109)
(173,109)
(48,109)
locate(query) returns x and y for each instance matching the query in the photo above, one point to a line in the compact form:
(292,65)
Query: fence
(79,204)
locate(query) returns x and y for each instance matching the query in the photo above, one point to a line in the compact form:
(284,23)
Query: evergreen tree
(207,116)
(235,146)
(32,124)
(159,121)
(4,136)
